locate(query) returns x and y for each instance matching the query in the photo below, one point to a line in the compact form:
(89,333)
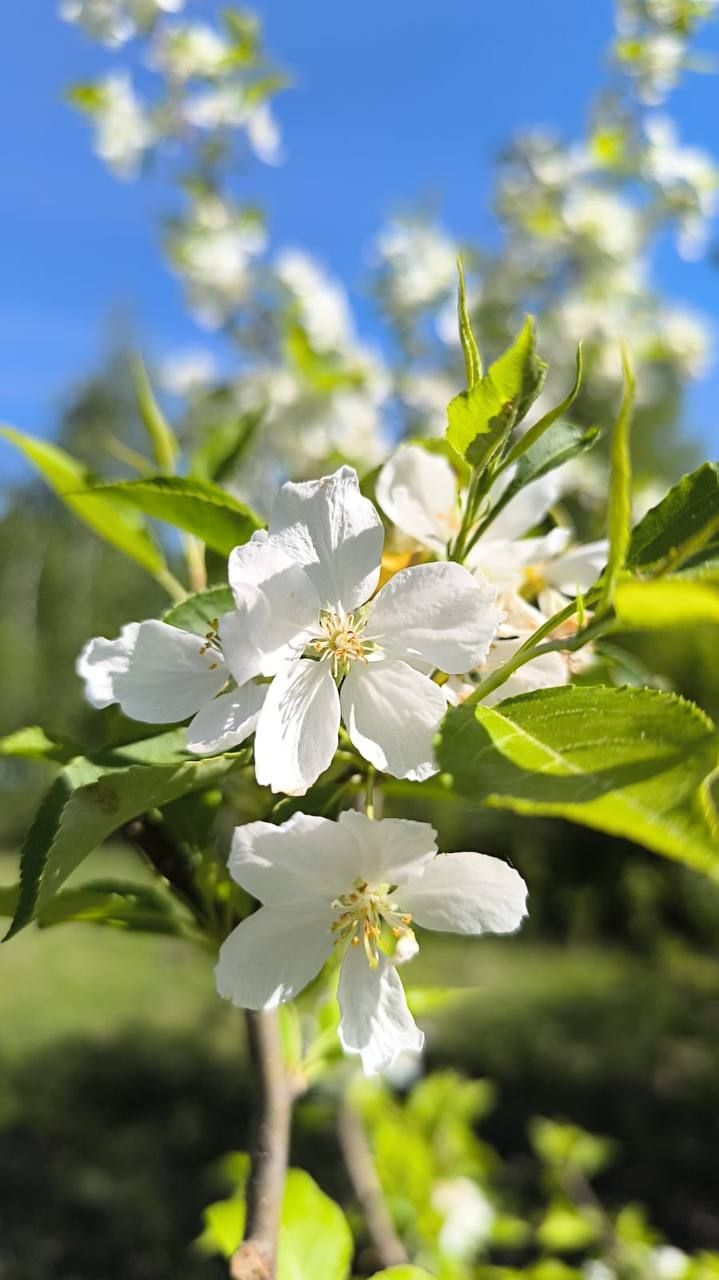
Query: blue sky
(393,102)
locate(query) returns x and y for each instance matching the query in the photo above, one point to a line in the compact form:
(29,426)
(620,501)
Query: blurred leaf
(472,358)
(193,505)
(136,908)
(481,418)
(223,446)
(633,762)
(681,525)
(620,489)
(566,1228)
(407,1272)
(124,529)
(86,803)
(162,438)
(199,611)
(33,743)
(531,437)
(561,1144)
(8,899)
(675,601)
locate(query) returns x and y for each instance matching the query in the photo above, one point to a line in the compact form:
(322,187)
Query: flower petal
(418,491)
(466,893)
(376,1022)
(277,608)
(390,850)
(327,526)
(305,858)
(392,713)
(437,613)
(297,730)
(504,561)
(273,954)
(579,569)
(527,509)
(227,721)
(157,673)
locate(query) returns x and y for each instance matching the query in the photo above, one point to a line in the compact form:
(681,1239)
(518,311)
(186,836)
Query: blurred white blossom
(123,128)
(115,21)
(187,371)
(322,302)
(467,1217)
(213,249)
(419,263)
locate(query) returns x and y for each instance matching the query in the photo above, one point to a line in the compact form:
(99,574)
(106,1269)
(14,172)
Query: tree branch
(366,1186)
(255,1258)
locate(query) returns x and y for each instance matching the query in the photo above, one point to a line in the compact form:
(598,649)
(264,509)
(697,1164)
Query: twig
(255,1258)
(366,1186)
(153,840)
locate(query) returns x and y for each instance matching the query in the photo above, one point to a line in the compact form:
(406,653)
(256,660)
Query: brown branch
(255,1258)
(367,1188)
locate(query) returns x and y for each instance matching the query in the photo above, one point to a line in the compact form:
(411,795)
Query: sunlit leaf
(620,488)
(221,521)
(682,525)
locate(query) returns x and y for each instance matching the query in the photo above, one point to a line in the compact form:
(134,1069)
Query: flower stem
(256,1257)
(369,792)
(367,1188)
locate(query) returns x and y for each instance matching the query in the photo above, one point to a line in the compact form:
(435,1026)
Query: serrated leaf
(555,447)
(472,358)
(681,526)
(162,438)
(636,763)
(122,528)
(205,510)
(114,903)
(620,489)
(88,801)
(481,418)
(200,610)
(645,604)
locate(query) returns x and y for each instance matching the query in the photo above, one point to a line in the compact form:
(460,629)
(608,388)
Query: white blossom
(115,21)
(323,305)
(467,1216)
(419,261)
(123,129)
(354,887)
(603,220)
(190,51)
(161,675)
(214,250)
(303,591)
(546,672)
(187,371)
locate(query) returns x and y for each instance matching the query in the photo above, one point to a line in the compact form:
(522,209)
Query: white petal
(297,731)
(418,491)
(527,509)
(157,673)
(273,954)
(390,850)
(277,608)
(305,858)
(227,721)
(392,714)
(376,1022)
(437,613)
(327,526)
(504,561)
(579,569)
(466,893)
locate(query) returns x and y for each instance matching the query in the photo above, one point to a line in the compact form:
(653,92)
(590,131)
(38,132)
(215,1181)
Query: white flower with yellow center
(355,887)
(306,617)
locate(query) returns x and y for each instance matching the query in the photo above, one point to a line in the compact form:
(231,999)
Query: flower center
(533,580)
(362,916)
(341,642)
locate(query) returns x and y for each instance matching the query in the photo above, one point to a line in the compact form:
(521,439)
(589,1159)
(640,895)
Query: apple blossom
(160,674)
(302,591)
(545,672)
(354,886)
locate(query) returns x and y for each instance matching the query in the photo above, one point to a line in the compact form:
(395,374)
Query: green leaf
(676,601)
(135,908)
(162,438)
(535,433)
(682,525)
(633,762)
(620,489)
(566,1228)
(89,800)
(472,358)
(199,611)
(32,743)
(124,529)
(314,1239)
(323,371)
(194,505)
(481,418)
(407,1272)
(556,446)
(223,446)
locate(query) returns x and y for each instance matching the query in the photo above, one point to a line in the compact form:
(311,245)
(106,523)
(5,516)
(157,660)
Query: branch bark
(256,1257)
(367,1188)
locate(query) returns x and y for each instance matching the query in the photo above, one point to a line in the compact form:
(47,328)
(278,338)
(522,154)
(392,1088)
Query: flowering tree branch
(366,1186)
(255,1258)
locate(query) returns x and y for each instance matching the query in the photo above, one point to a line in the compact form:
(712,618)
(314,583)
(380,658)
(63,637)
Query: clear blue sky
(394,100)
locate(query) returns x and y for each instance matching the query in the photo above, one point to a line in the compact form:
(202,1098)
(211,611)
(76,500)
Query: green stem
(524,655)
(369,792)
